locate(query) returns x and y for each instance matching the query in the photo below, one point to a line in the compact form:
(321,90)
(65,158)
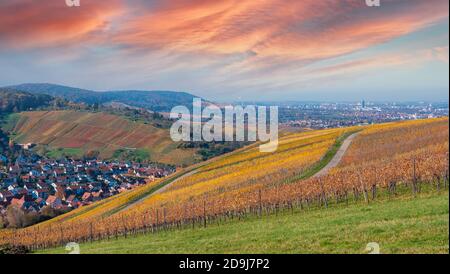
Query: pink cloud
(306,29)
(28,23)
(298,30)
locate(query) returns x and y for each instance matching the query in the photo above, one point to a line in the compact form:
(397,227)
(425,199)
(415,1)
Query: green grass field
(401,225)
(9,121)
(57,153)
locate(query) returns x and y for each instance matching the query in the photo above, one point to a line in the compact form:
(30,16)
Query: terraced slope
(106,133)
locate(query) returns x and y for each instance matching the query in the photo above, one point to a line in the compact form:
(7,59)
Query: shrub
(10,249)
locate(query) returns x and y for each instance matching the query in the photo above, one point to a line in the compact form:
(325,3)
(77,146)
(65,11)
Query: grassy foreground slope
(77,132)
(401,225)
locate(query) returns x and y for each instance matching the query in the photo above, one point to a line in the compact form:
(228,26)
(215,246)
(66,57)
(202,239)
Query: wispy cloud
(26,24)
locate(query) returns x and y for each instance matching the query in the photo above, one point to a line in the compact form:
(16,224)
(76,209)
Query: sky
(231,50)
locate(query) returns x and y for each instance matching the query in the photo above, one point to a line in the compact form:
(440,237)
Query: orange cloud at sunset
(303,29)
(28,23)
(306,29)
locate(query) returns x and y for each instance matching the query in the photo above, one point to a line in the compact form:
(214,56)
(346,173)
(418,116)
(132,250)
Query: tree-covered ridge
(161,101)
(15,101)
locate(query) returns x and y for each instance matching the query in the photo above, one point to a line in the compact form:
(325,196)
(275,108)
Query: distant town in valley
(317,115)
(43,188)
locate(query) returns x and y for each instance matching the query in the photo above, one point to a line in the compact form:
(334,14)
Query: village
(32,182)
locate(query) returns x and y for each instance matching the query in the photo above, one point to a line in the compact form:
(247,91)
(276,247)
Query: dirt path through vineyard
(337,157)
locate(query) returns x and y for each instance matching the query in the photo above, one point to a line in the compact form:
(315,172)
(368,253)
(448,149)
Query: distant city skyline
(227,50)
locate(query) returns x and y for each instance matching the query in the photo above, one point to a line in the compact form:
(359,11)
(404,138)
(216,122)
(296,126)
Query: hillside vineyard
(102,132)
(381,159)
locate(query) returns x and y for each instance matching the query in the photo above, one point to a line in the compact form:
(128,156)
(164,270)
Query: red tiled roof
(51,199)
(18,202)
(86,195)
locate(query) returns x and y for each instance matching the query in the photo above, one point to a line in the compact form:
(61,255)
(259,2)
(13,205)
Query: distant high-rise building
(363,104)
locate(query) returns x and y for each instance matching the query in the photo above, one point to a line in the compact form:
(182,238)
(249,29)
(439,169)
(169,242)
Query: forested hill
(160,101)
(15,101)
